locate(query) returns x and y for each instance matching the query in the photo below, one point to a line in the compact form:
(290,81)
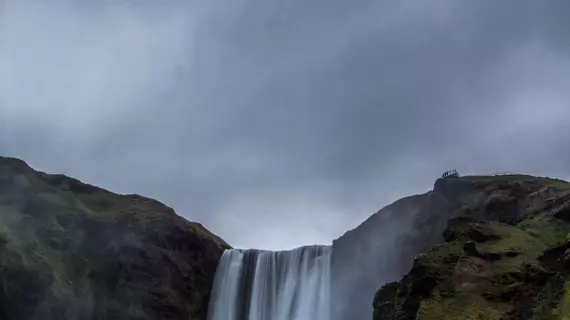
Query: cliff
(69,250)
(503,254)
(382,248)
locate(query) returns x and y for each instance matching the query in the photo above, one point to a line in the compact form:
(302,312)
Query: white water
(268,285)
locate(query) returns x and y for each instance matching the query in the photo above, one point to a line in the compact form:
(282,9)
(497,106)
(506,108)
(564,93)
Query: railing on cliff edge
(450,174)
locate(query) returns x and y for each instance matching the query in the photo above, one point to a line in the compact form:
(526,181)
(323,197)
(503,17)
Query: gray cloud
(278,124)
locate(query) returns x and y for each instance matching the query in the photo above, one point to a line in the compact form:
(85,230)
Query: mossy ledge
(69,250)
(506,255)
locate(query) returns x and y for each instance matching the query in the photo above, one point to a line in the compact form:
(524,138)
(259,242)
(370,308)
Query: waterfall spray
(268,285)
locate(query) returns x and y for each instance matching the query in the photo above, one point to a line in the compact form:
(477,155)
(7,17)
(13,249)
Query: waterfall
(268,285)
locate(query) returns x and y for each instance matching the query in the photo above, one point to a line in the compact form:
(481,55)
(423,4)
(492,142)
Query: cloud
(277,124)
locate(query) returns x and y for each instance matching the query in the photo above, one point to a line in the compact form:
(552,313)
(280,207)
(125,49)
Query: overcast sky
(278,123)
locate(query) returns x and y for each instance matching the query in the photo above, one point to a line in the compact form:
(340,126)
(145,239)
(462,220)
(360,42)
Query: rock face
(69,250)
(382,248)
(505,254)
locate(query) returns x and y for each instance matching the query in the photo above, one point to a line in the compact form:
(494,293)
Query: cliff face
(382,248)
(504,255)
(69,250)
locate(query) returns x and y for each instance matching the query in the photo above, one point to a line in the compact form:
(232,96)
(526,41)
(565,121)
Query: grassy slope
(69,250)
(512,266)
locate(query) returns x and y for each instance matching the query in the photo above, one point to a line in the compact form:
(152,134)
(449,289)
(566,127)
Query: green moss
(101,203)
(470,287)
(548,299)
(562,311)
(516,248)
(512,239)
(544,227)
(70,246)
(461,307)
(442,256)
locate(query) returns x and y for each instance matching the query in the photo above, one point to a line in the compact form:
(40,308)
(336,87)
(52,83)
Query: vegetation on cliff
(506,255)
(69,250)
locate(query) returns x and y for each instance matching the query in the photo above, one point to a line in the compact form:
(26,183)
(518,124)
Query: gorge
(475,247)
(378,251)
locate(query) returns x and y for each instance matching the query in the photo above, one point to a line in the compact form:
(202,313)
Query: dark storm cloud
(280,123)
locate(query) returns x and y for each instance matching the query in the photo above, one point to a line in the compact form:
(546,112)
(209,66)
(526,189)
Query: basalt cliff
(69,250)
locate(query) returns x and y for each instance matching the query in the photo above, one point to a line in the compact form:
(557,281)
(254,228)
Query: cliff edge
(69,250)
(504,254)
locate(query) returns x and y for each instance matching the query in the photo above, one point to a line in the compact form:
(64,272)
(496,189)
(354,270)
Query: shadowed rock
(69,250)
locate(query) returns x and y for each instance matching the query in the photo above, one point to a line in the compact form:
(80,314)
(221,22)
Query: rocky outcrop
(69,250)
(505,255)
